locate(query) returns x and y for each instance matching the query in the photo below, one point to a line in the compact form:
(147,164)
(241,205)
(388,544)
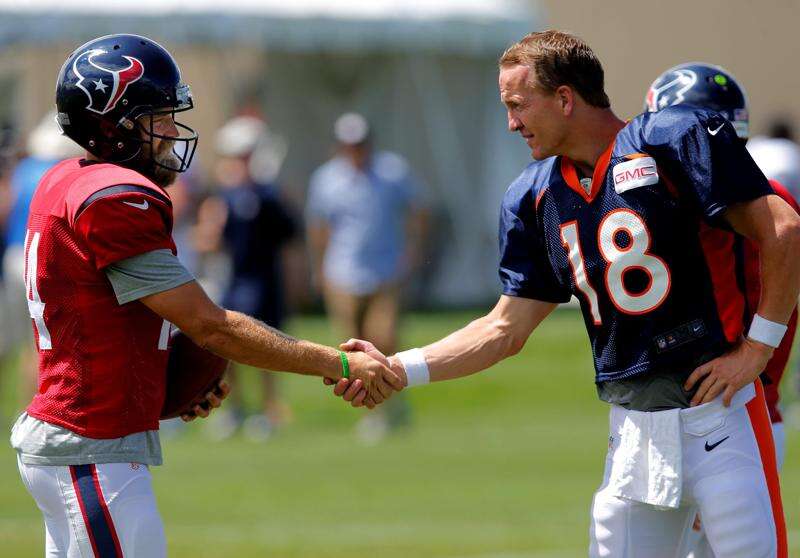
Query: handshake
(373,377)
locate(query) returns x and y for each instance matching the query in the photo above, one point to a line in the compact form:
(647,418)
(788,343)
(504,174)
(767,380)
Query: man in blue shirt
(365,223)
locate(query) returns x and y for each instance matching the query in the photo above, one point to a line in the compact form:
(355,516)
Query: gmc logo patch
(635,173)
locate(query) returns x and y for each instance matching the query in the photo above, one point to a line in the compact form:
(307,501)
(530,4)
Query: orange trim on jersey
(633,156)
(720,256)
(781,191)
(570,174)
(539,198)
(762,428)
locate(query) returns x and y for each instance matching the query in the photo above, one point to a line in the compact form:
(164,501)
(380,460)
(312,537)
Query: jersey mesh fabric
(693,176)
(55,367)
(104,376)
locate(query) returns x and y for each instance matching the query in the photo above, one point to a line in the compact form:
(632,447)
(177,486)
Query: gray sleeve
(146,274)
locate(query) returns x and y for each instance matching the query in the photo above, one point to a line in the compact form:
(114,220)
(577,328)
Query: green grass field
(499,465)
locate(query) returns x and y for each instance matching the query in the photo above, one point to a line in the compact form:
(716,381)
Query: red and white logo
(638,172)
(107,89)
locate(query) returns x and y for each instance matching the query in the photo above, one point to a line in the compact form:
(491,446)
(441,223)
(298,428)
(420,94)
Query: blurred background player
(248,220)
(778,155)
(365,225)
(6,164)
(712,87)
(45,147)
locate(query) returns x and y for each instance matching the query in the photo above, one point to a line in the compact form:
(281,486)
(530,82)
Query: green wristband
(345,365)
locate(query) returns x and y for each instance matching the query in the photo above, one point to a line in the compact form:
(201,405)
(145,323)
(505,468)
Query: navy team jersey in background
(643,248)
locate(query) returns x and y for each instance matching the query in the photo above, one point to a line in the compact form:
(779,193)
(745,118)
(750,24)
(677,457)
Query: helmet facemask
(175,152)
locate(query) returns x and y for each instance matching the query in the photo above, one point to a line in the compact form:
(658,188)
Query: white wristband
(765,331)
(417,372)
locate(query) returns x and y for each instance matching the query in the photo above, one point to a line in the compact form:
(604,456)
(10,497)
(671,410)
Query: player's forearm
(241,338)
(774,227)
(780,273)
(477,346)
(482,343)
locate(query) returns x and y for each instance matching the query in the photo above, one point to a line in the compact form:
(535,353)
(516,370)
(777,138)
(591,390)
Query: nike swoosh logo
(143,205)
(712,446)
(714,132)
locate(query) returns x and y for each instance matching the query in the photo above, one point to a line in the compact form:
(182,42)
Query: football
(192,371)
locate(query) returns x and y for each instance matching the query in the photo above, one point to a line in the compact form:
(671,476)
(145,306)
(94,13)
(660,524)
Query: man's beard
(165,176)
(152,167)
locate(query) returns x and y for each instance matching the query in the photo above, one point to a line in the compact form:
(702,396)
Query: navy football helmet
(701,85)
(108,92)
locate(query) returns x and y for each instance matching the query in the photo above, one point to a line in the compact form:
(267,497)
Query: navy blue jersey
(259,225)
(644,247)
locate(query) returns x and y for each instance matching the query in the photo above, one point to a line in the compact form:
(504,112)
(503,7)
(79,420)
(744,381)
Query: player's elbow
(208,327)
(514,345)
(788,233)
(510,342)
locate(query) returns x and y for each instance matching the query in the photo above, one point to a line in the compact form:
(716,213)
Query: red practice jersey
(752,280)
(102,365)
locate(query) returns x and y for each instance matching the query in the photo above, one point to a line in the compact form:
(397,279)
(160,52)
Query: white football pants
(734,486)
(97,511)
(697,541)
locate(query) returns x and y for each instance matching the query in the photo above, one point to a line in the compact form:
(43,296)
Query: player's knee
(737,516)
(746,545)
(145,537)
(606,532)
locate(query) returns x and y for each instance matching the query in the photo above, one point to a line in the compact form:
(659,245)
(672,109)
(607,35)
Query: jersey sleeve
(120,222)
(146,274)
(709,164)
(784,193)
(525,269)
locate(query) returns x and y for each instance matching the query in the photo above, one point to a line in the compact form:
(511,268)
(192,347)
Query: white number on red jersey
(619,260)
(35,304)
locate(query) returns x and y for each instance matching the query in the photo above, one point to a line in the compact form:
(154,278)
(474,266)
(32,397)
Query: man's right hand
(352,390)
(370,378)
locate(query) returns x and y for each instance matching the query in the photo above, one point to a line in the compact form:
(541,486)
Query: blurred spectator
(778,155)
(365,226)
(45,147)
(248,219)
(6,158)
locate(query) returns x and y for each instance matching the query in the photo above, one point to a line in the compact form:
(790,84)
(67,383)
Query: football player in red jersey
(641,220)
(712,87)
(104,286)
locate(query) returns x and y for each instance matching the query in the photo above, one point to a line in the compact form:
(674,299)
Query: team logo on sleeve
(105,86)
(635,173)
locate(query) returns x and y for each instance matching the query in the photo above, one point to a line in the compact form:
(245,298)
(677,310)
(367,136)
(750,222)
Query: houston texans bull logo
(105,92)
(670,90)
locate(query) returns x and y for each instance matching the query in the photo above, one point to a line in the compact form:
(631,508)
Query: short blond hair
(557,59)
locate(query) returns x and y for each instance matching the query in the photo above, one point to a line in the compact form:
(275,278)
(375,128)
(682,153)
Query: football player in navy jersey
(640,221)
